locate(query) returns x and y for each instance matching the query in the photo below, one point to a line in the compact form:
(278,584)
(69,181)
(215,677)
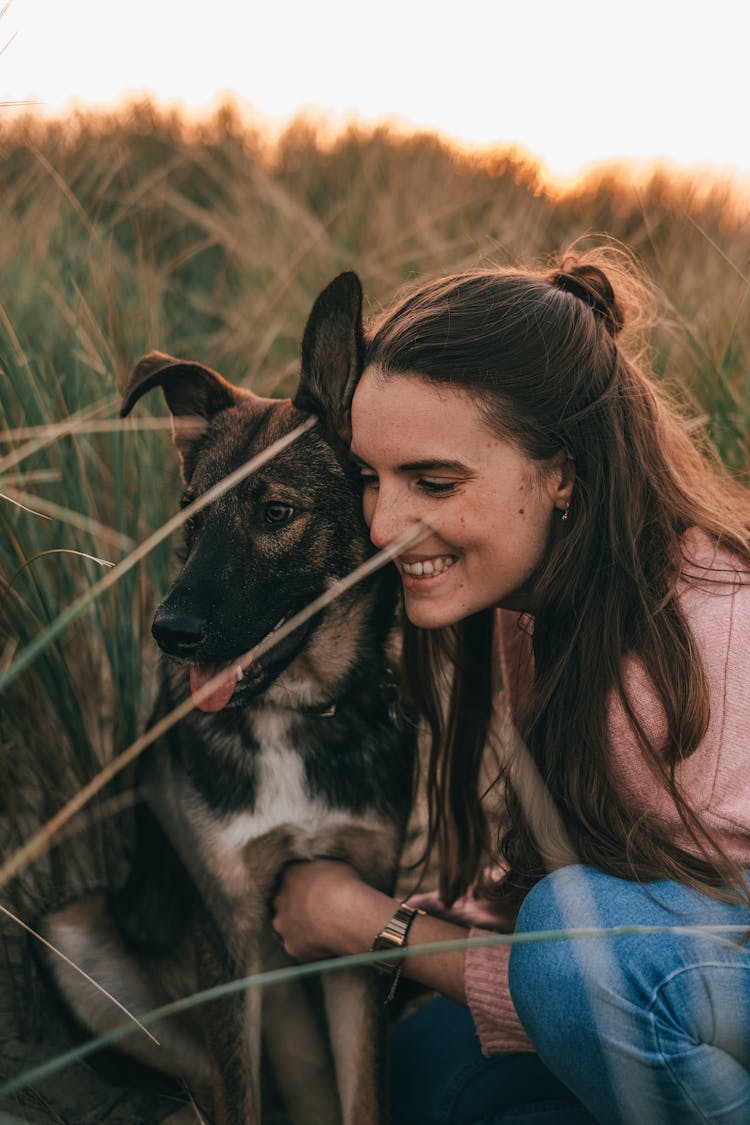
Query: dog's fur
(273,776)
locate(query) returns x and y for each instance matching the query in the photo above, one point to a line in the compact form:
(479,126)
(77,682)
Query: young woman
(579,550)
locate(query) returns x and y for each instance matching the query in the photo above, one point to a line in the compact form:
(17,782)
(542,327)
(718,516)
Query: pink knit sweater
(715,778)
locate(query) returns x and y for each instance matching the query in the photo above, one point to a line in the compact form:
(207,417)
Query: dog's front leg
(294,1038)
(356,1028)
(235,1070)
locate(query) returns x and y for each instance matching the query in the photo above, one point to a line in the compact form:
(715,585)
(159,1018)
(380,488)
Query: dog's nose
(176,631)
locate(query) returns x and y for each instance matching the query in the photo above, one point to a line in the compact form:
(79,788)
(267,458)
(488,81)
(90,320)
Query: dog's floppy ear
(332,354)
(193,393)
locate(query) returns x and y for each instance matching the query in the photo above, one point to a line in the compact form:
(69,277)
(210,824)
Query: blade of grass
(56,430)
(48,510)
(106,426)
(57,551)
(23,507)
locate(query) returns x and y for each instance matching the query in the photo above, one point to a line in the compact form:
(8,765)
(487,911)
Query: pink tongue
(200,674)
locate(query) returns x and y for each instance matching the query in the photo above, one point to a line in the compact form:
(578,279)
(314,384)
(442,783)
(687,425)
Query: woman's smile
(425,568)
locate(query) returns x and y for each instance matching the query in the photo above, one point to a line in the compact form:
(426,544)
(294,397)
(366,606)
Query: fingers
(307,903)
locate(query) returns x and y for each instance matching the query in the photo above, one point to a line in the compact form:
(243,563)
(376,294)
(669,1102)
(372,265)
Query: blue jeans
(645,1029)
(439,1075)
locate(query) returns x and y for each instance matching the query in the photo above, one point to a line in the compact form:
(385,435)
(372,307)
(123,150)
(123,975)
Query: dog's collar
(321,711)
(328,709)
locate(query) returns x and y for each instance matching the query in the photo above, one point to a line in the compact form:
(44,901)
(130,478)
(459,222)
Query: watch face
(385,941)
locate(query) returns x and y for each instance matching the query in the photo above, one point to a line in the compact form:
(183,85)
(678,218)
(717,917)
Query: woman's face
(426,454)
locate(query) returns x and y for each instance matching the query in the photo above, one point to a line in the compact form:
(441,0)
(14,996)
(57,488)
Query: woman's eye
(434,487)
(277,513)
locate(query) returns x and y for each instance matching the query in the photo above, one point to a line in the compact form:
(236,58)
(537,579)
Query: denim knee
(545,976)
(645,1027)
(563,987)
(545,905)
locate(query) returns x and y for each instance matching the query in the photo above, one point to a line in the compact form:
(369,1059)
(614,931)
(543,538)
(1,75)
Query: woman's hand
(323,909)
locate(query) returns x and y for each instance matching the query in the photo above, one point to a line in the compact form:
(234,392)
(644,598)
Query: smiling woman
(427,454)
(581,545)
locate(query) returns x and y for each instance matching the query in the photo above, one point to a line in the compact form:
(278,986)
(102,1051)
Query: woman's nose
(387,516)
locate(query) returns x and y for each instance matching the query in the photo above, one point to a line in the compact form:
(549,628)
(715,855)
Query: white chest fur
(282,800)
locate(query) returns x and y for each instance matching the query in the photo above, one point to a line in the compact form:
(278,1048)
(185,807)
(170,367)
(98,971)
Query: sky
(571,83)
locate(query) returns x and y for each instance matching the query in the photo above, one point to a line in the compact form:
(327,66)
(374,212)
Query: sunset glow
(570,84)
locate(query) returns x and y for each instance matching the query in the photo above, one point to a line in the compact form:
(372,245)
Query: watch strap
(394,935)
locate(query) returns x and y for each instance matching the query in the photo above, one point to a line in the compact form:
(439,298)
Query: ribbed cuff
(488,996)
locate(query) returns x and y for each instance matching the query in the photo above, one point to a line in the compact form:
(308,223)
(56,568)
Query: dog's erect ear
(194,393)
(332,354)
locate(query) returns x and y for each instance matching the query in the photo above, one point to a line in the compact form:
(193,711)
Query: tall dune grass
(124,232)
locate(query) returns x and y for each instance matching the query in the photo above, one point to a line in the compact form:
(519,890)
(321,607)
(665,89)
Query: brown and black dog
(299,756)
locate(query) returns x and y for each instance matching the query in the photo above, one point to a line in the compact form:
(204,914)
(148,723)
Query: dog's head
(278,539)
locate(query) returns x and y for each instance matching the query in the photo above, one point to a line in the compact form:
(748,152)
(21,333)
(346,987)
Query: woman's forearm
(368,911)
(443,972)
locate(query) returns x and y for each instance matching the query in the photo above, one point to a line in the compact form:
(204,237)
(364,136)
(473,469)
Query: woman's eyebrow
(434,463)
(423,466)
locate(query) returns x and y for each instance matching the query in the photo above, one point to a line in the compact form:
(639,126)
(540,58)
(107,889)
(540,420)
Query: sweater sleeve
(488,996)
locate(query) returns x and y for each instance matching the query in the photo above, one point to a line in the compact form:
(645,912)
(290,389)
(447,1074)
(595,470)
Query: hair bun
(590,284)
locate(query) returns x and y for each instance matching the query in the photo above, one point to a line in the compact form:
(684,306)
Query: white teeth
(428,567)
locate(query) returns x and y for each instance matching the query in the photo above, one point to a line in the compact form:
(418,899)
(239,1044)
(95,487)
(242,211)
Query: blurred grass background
(124,232)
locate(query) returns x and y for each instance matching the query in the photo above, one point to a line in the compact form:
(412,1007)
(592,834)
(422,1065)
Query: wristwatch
(394,936)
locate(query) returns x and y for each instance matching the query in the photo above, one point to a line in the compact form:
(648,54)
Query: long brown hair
(541,354)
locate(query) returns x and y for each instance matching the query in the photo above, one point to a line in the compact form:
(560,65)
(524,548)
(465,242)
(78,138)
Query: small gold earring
(565,513)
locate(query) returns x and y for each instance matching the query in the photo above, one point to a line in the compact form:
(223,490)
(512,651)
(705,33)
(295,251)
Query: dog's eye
(186,498)
(278,513)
